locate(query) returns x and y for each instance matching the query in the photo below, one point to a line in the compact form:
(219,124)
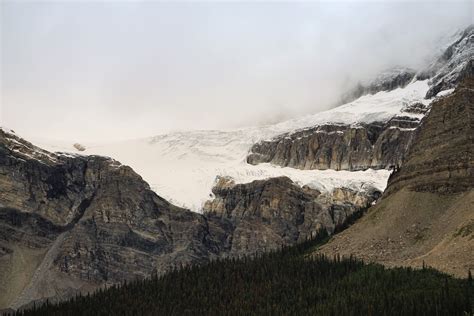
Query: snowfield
(182,166)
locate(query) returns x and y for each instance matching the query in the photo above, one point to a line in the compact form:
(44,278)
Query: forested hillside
(280,282)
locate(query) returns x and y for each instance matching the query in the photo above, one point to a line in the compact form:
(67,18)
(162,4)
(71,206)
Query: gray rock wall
(339,147)
(270,213)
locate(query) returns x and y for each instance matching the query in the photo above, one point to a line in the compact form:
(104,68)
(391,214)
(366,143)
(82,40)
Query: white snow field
(182,166)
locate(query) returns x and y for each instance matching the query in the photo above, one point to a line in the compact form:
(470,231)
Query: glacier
(182,166)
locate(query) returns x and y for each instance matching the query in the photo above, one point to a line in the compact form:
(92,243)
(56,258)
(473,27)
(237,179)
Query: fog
(99,71)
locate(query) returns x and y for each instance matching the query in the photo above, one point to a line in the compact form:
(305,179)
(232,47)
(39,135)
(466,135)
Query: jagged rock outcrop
(341,147)
(390,79)
(455,64)
(426,214)
(269,213)
(74,223)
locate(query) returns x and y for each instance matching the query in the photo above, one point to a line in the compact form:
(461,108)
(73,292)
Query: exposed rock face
(388,80)
(74,223)
(455,64)
(426,214)
(269,213)
(442,159)
(340,147)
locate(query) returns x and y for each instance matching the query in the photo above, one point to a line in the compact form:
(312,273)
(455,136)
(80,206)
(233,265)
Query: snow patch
(445,93)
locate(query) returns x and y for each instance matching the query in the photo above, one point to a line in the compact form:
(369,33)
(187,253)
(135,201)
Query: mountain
(426,213)
(75,222)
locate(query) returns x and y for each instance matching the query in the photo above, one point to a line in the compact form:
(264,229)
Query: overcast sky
(87,71)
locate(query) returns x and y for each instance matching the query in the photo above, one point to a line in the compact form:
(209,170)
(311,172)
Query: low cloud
(103,71)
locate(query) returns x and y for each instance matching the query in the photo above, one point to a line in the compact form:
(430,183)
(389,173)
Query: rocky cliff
(426,214)
(274,212)
(341,147)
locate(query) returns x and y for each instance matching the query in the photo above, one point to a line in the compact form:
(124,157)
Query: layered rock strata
(341,147)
